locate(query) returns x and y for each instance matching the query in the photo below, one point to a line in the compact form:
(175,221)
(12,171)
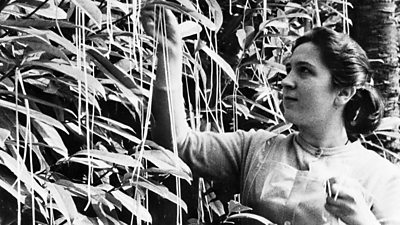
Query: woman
(320,175)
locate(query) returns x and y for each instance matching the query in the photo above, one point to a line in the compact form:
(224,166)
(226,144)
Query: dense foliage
(75,86)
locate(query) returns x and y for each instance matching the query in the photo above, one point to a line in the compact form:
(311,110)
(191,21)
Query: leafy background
(75,94)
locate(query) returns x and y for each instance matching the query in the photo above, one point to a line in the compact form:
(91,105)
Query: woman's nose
(288,82)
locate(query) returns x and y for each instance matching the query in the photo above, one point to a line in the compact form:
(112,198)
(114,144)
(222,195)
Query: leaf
(236,207)
(91,10)
(384,150)
(23,174)
(217,13)
(117,158)
(73,72)
(281,127)
(4,134)
(38,100)
(291,5)
(279,67)
(99,199)
(95,163)
(9,185)
(343,2)
(132,205)
(250,216)
(279,24)
(122,80)
(219,60)
(255,104)
(217,207)
(188,4)
(30,138)
(8,121)
(30,201)
(4,5)
(45,47)
(283,18)
(37,23)
(51,137)
(389,123)
(85,220)
(75,188)
(34,114)
(74,88)
(245,36)
(120,132)
(182,9)
(243,108)
(60,40)
(36,41)
(119,5)
(167,161)
(395,135)
(198,69)
(105,209)
(64,201)
(159,189)
(74,127)
(345,18)
(16,38)
(241,37)
(81,190)
(121,125)
(48,10)
(101,215)
(50,35)
(189,28)
(115,72)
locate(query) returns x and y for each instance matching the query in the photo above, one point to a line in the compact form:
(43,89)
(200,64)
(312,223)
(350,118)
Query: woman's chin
(293,118)
(289,116)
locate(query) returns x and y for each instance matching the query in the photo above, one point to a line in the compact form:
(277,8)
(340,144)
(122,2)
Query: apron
(288,196)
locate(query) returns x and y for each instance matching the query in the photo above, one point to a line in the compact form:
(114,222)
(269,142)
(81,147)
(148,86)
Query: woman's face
(308,93)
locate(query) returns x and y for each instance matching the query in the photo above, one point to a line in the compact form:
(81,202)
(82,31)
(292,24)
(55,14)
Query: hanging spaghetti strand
(136,43)
(164,32)
(28,141)
(19,162)
(78,34)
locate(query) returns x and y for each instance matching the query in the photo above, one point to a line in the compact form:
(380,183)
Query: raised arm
(209,154)
(168,103)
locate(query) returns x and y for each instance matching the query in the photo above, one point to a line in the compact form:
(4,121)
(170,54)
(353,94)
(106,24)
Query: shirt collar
(321,151)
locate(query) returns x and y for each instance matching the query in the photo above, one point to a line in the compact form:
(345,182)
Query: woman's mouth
(288,98)
(289,102)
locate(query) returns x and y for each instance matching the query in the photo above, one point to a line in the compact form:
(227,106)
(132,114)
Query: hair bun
(364,111)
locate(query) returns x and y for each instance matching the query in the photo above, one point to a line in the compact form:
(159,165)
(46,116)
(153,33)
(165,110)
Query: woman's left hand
(346,201)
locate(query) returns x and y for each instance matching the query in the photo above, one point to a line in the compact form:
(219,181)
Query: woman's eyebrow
(304,63)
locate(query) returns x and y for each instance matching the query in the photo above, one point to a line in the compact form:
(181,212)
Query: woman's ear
(344,95)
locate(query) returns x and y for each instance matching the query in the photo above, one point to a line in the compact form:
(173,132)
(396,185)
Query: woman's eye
(288,69)
(304,70)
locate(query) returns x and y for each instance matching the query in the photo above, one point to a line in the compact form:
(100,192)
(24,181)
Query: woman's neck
(325,136)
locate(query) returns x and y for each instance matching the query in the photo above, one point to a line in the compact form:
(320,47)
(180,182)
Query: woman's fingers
(148,19)
(337,207)
(344,188)
(345,200)
(161,24)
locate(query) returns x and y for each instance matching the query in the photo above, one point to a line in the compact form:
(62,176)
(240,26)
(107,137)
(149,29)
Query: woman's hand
(161,24)
(346,201)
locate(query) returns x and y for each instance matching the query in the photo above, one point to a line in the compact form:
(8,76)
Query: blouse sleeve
(220,155)
(386,202)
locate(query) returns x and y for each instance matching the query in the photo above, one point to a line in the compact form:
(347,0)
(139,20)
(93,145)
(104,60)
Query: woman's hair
(349,66)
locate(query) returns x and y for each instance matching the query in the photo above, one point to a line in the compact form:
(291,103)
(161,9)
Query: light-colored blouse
(284,179)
